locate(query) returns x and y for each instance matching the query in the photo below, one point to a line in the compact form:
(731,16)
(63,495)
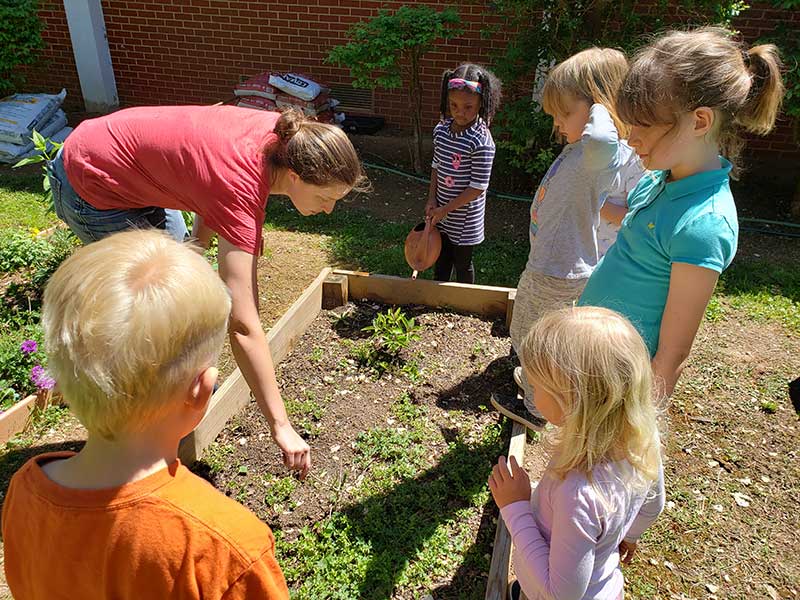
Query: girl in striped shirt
(463,152)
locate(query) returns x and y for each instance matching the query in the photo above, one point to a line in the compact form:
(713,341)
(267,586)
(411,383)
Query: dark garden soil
(373,436)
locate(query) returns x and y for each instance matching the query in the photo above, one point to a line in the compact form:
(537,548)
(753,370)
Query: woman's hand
(509,486)
(430,206)
(296,452)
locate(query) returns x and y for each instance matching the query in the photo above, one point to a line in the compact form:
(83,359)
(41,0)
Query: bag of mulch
(256,102)
(257,86)
(296,85)
(11,153)
(20,114)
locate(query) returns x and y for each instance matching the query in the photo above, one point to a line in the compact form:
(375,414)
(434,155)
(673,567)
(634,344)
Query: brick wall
(195,51)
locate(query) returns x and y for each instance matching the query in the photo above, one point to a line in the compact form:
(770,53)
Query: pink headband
(457,83)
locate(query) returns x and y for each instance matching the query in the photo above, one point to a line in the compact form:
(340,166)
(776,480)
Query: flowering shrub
(22,365)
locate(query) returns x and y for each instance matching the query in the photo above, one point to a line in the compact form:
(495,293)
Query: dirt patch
(730,528)
(379,439)
(290,263)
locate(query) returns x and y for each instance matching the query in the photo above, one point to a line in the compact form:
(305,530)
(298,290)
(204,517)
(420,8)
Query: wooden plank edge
(234,393)
(17,418)
(497,583)
(484,300)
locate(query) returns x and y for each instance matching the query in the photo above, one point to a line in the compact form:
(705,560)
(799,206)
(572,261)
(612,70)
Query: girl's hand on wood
(509,485)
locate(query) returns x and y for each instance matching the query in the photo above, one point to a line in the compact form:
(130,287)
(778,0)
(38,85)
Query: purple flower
(41,379)
(29,347)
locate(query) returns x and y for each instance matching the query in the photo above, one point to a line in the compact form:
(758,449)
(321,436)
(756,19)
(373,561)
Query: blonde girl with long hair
(686,98)
(595,167)
(604,485)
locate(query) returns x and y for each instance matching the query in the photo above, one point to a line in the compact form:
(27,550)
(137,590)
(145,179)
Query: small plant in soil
(306,413)
(769,406)
(391,333)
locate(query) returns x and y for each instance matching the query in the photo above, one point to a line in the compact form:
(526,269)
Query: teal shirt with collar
(692,220)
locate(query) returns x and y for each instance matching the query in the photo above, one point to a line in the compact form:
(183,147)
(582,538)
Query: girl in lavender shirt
(604,485)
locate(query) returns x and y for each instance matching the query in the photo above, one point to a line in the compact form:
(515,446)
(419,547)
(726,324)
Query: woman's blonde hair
(597,368)
(320,153)
(128,322)
(594,75)
(684,70)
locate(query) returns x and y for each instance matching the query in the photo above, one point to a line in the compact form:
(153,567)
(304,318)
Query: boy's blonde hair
(597,367)
(128,322)
(594,75)
(684,70)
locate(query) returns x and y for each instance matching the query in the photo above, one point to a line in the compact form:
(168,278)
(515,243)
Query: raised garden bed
(397,503)
(17,418)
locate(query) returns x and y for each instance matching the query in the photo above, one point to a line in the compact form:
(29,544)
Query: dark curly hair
(491,89)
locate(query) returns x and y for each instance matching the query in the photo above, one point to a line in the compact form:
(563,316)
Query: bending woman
(140,167)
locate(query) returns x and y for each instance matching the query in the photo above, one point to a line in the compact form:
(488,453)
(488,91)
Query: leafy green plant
(20,249)
(20,40)
(46,151)
(387,51)
(393,331)
(8,396)
(548,31)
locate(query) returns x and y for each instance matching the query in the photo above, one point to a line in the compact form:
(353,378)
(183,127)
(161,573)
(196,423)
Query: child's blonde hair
(128,321)
(594,75)
(684,70)
(597,368)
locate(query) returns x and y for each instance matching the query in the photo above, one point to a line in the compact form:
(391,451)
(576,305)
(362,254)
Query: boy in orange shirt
(133,326)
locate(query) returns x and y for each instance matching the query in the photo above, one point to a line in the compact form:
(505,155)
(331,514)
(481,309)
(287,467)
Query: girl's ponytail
(758,113)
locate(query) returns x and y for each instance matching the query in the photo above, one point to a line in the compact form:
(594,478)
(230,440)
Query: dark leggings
(459,257)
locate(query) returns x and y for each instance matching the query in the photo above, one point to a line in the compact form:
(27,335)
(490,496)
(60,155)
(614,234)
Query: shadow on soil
(399,524)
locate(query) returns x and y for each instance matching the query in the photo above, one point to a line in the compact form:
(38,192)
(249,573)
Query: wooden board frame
(334,288)
(497,585)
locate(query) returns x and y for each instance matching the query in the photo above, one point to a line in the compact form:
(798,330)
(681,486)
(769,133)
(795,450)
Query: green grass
(358,240)
(21,202)
(408,525)
(764,290)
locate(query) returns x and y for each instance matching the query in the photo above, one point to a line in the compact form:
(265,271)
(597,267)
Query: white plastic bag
(20,114)
(296,85)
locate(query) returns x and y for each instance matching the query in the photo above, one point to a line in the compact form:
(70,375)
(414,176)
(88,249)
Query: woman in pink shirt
(141,167)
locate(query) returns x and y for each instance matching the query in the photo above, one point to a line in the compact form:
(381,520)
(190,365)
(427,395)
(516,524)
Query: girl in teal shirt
(686,97)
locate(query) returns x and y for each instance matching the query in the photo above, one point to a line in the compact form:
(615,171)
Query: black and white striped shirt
(463,160)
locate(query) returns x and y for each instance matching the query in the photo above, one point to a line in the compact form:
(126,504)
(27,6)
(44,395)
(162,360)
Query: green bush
(16,365)
(20,40)
(549,31)
(20,250)
(386,51)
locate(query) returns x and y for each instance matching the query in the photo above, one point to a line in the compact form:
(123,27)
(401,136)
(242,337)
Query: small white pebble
(243,441)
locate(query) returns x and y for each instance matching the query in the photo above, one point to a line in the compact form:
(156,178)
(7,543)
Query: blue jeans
(91,224)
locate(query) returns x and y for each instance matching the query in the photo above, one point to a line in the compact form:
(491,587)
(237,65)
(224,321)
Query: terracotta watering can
(423,246)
